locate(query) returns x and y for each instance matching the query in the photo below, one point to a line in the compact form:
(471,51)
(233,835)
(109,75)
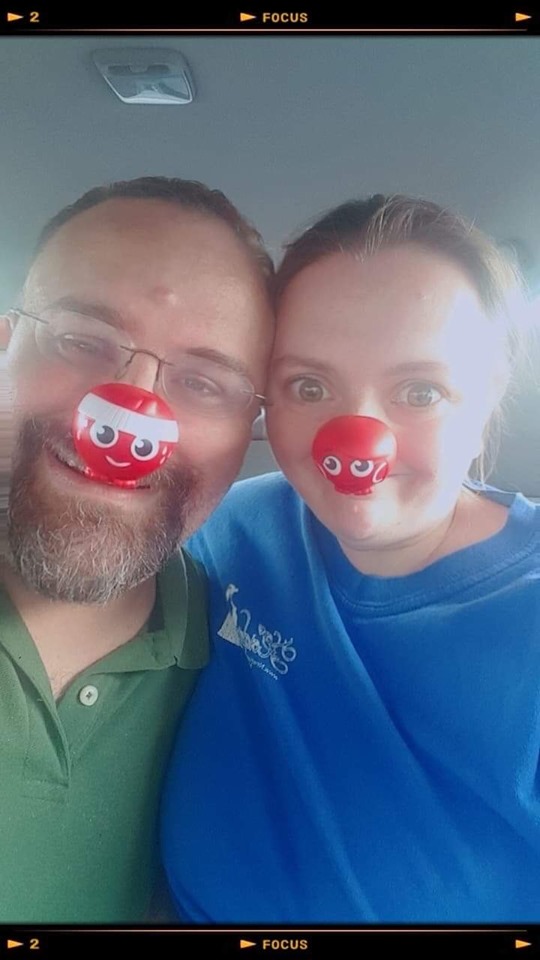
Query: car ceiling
(287,127)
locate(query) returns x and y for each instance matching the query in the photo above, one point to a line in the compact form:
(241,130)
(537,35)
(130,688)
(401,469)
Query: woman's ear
(498,384)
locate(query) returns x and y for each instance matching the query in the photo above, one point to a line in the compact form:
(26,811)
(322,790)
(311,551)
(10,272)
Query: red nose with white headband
(354,453)
(123,433)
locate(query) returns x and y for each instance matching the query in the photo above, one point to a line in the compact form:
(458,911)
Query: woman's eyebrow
(293,360)
(410,366)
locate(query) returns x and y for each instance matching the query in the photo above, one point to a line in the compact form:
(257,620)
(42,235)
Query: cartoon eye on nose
(361,468)
(143,449)
(103,435)
(332,466)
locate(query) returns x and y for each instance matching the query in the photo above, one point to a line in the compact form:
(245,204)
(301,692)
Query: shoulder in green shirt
(81,778)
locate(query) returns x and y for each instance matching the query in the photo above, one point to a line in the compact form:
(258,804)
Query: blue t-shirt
(360,749)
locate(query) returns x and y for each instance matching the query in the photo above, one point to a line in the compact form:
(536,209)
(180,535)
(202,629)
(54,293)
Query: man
(160,284)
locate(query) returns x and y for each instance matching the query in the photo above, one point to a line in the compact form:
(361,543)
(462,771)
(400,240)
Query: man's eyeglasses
(99,353)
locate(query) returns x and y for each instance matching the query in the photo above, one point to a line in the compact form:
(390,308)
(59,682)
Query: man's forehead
(157,242)
(137,219)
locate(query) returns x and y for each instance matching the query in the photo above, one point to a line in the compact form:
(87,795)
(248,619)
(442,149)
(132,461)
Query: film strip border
(6,448)
(497,17)
(249,943)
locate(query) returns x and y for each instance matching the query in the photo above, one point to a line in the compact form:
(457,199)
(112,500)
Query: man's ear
(7,323)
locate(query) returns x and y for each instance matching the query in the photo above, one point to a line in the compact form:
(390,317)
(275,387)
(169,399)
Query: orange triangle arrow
(521,943)
(522,16)
(247,16)
(14,16)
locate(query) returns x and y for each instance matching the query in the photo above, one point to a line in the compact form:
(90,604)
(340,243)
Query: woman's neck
(473,518)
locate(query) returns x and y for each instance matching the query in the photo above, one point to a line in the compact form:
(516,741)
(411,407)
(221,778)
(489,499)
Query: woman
(364,745)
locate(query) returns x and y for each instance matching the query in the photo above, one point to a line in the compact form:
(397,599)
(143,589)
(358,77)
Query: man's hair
(363,227)
(189,194)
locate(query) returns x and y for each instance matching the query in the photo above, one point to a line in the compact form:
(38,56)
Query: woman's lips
(353,490)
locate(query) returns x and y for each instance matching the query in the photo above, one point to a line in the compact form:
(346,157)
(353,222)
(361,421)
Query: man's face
(169,281)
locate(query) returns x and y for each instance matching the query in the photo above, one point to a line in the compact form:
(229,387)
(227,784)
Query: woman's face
(401,337)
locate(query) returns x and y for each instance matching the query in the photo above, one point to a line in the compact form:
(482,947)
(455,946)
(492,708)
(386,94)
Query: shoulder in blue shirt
(360,749)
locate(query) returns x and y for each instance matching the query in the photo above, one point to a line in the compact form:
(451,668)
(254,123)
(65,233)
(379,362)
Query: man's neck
(69,636)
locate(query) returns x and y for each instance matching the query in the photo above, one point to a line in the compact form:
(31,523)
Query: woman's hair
(363,227)
(190,194)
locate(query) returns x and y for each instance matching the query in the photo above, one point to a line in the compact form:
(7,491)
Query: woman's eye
(309,390)
(420,395)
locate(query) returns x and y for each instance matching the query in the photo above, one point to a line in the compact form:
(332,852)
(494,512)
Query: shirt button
(88,695)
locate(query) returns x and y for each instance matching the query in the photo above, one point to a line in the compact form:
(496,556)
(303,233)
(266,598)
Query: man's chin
(90,565)
(84,550)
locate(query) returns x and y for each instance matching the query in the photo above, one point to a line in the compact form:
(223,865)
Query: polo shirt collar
(181,637)
(173,641)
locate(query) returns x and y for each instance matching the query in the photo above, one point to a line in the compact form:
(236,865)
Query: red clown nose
(354,453)
(123,433)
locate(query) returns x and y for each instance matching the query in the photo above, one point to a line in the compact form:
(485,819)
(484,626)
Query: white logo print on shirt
(263,649)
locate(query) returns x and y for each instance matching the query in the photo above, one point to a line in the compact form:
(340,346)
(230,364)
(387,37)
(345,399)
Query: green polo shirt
(80,778)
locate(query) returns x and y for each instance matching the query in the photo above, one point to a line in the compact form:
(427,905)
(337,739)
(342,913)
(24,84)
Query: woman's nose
(366,406)
(141,370)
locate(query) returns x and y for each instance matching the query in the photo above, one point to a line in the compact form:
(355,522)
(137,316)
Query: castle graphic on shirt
(264,648)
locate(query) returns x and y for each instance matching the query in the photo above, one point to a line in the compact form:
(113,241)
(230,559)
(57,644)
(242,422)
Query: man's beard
(83,551)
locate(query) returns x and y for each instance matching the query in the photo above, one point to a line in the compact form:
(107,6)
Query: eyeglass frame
(263,401)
